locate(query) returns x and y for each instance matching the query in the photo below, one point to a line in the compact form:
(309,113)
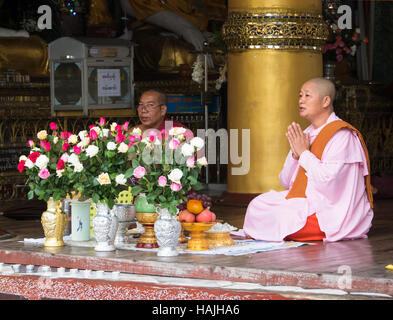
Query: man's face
(310,102)
(150,111)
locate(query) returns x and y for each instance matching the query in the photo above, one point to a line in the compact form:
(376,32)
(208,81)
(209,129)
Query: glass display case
(91,73)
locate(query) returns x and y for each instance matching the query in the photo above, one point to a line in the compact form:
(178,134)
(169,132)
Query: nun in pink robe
(335,191)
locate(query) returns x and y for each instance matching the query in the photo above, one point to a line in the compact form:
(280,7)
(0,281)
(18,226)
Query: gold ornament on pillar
(275,28)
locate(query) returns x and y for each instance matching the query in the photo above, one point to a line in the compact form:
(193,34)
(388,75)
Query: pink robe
(335,191)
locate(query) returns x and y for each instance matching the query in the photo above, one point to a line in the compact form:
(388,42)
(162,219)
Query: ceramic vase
(80,220)
(105,225)
(167,229)
(53,222)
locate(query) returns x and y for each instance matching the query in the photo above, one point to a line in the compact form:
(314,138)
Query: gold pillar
(274,46)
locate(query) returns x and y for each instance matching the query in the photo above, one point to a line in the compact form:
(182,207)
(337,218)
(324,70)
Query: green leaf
(136,190)
(198,186)
(30,194)
(129,173)
(135,163)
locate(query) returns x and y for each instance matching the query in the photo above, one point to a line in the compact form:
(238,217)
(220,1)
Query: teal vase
(142,205)
(80,220)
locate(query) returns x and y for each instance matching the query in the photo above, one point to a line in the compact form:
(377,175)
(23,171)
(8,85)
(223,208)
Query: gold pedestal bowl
(148,239)
(220,239)
(198,241)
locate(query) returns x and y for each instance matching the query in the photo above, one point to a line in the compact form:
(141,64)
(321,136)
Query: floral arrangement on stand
(342,43)
(103,156)
(198,72)
(167,166)
(45,164)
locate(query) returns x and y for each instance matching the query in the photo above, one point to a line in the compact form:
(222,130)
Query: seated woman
(327,177)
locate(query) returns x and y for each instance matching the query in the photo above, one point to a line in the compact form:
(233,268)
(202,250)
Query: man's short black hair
(162,98)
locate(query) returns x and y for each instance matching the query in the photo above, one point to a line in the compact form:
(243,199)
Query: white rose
(197,142)
(59,173)
(24,158)
(123,148)
(92,150)
(120,179)
(29,164)
(353,49)
(55,140)
(85,141)
(113,126)
(42,161)
(175,175)
(187,150)
(82,134)
(202,161)
(103,178)
(73,159)
(111,145)
(136,131)
(73,139)
(176,131)
(78,167)
(42,135)
(105,132)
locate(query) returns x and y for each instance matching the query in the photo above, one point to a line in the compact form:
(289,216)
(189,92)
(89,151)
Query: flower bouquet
(44,168)
(100,161)
(167,166)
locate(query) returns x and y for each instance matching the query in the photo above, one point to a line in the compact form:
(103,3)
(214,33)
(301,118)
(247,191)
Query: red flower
(65,146)
(33,156)
(65,135)
(60,165)
(93,134)
(21,165)
(77,149)
(45,145)
(53,125)
(120,138)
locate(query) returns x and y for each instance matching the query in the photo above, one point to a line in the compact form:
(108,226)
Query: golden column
(274,46)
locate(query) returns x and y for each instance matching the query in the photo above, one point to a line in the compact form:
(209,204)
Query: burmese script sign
(108,82)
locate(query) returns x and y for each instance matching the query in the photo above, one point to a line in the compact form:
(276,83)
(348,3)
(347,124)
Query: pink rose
(125,126)
(77,149)
(65,135)
(173,144)
(118,128)
(53,125)
(120,138)
(339,57)
(65,146)
(139,172)
(162,181)
(102,121)
(93,134)
(188,134)
(64,157)
(30,143)
(45,145)
(176,186)
(44,173)
(190,162)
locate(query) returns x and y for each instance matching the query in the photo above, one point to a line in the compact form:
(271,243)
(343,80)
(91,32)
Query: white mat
(241,247)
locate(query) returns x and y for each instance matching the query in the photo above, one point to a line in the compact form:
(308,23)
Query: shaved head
(325,88)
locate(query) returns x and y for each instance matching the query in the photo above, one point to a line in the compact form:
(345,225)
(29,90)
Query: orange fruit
(194,206)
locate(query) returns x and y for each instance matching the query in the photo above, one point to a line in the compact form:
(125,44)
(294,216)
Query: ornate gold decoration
(148,239)
(198,241)
(278,29)
(53,222)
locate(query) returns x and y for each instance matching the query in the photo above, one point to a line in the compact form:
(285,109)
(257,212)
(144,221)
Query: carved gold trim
(273,28)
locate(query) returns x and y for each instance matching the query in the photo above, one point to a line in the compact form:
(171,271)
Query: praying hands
(298,141)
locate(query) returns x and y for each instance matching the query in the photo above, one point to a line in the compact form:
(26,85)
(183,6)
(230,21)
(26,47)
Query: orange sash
(311,230)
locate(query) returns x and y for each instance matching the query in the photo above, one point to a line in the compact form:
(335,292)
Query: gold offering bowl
(220,239)
(198,236)
(148,239)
